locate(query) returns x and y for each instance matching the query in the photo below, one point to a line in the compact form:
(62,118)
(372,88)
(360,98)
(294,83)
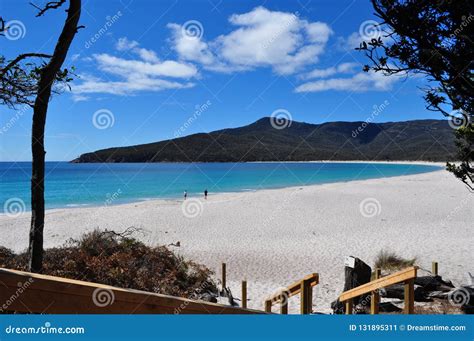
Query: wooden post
(434,268)
(306,299)
(409,296)
(244,294)
(349,306)
(268,306)
(285,295)
(374,302)
(310,298)
(375,297)
(223,276)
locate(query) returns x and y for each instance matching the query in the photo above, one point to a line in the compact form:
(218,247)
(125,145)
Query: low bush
(120,260)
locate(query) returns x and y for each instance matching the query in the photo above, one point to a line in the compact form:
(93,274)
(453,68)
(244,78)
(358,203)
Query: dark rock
(208,297)
(388,307)
(434,283)
(398,291)
(227,293)
(354,277)
(463,297)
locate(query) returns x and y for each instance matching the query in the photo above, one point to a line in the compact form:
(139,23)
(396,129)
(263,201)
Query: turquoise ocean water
(70,185)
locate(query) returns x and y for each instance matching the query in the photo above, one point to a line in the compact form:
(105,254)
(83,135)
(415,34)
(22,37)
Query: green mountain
(430,140)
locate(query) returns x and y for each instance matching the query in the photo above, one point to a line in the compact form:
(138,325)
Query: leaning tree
(434,39)
(30,79)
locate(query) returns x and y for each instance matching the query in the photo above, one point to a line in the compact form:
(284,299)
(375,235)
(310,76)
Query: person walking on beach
(185,194)
(205,193)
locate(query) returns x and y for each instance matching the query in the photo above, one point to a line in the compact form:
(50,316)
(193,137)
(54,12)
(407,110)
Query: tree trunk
(40,109)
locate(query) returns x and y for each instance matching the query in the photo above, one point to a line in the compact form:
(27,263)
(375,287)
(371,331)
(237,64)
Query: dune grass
(390,261)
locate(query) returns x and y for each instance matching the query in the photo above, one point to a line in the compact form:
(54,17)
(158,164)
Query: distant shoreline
(192,194)
(402,162)
(422,162)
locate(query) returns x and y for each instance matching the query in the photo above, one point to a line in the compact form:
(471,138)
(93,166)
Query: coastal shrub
(388,260)
(120,260)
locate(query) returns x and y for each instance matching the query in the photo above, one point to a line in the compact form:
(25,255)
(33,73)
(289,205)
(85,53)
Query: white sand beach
(272,238)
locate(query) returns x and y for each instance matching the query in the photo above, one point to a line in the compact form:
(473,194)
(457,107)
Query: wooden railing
(406,276)
(33,293)
(303,287)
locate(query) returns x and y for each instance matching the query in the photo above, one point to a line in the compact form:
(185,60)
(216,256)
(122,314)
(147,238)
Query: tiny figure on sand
(185,194)
(205,193)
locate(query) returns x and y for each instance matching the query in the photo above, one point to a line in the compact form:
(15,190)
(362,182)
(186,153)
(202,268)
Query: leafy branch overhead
(19,76)
(434,39)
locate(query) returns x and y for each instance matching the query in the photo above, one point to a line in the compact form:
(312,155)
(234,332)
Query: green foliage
(465,143)
(19,79)
(435,39)
(107,258)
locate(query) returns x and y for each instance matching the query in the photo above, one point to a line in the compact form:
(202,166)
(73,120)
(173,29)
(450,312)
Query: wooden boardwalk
(27,292)
(34,293)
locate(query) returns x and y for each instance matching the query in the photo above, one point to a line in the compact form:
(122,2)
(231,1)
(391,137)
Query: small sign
(349,262)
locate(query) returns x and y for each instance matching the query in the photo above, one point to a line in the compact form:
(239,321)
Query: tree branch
(2,26)
(19,58)
(49,5)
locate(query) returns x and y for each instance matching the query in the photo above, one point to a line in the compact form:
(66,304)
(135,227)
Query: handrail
(34,293)
(406,276)
(303,287)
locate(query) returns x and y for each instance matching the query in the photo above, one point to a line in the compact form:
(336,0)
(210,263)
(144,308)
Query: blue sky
(144,67)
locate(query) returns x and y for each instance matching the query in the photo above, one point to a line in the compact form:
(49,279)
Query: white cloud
(360,82)
(129,76)
(127,86)
(261,38)
(75,57)
(281,41)
(123,44)
(191,48)
(323,73)
(126,67)
(351,42)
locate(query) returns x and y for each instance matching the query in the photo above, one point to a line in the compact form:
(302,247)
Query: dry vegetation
(390,261)
(119,260)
